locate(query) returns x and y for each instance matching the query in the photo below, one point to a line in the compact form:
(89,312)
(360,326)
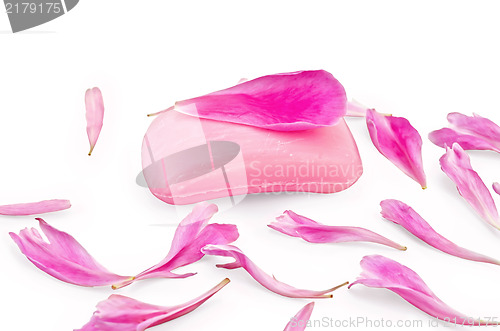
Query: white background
(417,59)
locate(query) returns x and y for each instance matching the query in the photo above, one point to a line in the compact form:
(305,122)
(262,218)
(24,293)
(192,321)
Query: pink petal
(33,208)
(496,188)
(398,141)
(381,272)
(299,321)
(120,313)
(471,132)
(221,159)
(95,114)
(284,102)
(269,282)
(192,234)
(402,214)
(62,257)
(299,226)
(456,164)
(447,137)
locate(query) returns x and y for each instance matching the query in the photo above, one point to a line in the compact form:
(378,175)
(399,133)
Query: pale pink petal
(456,164)
(33,208)
(496,188)
(63,257)
(447,137)
(192,234)
(356,109)
(299,226)
(381,272)
(399,142)
(95,114)
(471,132)
(120,313)
(269,282)
(284,102)
(402,214)
(299,321)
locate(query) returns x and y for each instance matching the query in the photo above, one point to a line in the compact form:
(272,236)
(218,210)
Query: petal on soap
(402,214)
(63,257)
(296,225)
(381,272)
(284,102)
(121,313)
(496,188)
(95,114)
(299,321)
(471,132)
(456,165)
(399,142)
(192,234)
(34,208)
(269,282)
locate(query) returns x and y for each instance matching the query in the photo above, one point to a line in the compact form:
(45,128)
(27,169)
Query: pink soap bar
(186,159)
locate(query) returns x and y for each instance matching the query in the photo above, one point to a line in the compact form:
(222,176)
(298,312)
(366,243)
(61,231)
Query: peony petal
(402,214)
(33,208)
(456,164)
(299,321)
(284,102)
(120,313)
(471,132)
(496,188)
(381,272)
(269,282)
(447,137)
(192,234)
(398,141)
(63,257)
(299,226)
(95,114)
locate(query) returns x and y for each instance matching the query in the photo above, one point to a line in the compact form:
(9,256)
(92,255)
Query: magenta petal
(34,208)
(399,142)
(456,164)
(269,282)
(283,102)
(496,188)
(402,214)
(299,321)
(192,234)
(63,257)
(299,226)
(381,272)
(121,313)
(95,114)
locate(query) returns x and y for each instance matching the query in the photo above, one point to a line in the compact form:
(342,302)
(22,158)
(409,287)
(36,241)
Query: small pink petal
(381,272)
(447,137)
(299,226)
(95,114)
(456,164)
(398,141)
(299,321)
(471,132)
(63,257)
(284,102)
(33,208)
(121,313)
(192,234)
(402,214)
(269,282)
(496,188)
(356,109)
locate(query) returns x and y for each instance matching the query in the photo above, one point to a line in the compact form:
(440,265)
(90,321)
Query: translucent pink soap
(186,159)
